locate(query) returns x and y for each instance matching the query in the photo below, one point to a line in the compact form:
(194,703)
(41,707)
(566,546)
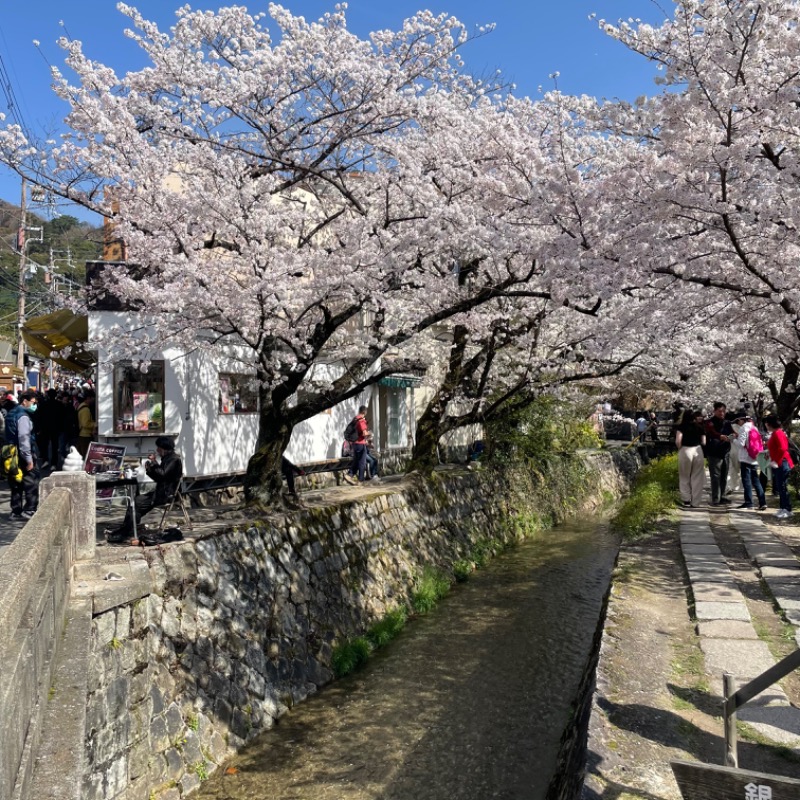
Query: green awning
(400,381)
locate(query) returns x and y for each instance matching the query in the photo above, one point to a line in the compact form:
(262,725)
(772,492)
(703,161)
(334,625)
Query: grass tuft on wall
(655,491)
(431,587)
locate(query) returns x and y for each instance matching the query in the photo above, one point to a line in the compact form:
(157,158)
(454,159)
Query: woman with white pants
(690,439)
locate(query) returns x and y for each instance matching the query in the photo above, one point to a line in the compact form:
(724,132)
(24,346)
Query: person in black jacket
(167,473)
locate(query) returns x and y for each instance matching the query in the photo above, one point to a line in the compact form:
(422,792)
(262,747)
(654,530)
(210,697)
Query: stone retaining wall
(233,629)
(34,595)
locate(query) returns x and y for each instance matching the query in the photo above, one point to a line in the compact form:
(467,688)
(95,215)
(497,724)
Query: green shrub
(532,433)
(655,491)
(482,551)
(381,633)
(432,586)
(462,569)
(350,655)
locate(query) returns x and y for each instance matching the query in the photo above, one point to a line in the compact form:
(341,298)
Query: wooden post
(729,715)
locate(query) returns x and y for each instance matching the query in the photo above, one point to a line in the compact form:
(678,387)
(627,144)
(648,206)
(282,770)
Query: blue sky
(531,40)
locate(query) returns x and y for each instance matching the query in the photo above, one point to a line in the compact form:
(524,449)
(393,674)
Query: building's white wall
(211,443)
(321,437)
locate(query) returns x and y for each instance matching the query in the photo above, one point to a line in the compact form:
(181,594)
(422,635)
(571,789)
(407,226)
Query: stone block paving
(778,567)
(727,637)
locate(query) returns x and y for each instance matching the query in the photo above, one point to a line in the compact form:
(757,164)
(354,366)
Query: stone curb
(778,567)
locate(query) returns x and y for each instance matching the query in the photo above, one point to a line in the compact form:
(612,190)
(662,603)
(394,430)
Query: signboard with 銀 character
(711,782)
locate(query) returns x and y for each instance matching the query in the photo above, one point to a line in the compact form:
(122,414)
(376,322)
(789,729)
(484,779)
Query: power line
(11,99)
(7,50)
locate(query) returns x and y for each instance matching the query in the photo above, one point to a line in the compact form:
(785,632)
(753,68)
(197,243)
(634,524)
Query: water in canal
(469,703)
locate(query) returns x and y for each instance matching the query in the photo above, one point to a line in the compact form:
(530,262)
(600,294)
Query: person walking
(358,466)
(19,432)
(47,418)
(653,426)
(690,438)
(734,468)
(749,463)
(780,463)
(719,434)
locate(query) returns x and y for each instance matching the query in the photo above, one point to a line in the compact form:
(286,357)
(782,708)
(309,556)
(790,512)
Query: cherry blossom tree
(716,198)
(305,200)
(554,186)
(521,355)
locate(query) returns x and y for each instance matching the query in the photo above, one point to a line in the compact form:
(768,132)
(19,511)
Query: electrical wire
(11,99)
(17,112)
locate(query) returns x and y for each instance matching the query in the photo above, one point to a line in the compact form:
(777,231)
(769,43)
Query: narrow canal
(470,702)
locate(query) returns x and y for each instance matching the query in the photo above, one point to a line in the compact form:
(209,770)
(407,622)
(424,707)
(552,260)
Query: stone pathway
(9,528)
(727,637)
(776,562)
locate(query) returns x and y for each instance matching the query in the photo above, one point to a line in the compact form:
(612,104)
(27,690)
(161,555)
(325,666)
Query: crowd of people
(746,448)
(43,427)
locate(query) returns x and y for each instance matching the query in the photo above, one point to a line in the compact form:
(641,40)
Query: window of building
(396,417)
(139,398)
(238,394)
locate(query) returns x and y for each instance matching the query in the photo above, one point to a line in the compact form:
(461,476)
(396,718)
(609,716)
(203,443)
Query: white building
(210,406)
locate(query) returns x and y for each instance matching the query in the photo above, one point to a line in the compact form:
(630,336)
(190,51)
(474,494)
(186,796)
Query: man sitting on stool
(167,474)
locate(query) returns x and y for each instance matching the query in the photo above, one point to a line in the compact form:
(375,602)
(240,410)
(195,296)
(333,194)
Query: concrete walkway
(727,637)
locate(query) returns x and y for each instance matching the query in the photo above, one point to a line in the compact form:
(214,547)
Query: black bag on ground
(152,538)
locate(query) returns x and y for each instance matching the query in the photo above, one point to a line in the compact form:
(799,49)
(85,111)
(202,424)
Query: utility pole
(21,301)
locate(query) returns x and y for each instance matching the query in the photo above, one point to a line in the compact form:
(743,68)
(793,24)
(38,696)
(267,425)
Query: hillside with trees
(55,266)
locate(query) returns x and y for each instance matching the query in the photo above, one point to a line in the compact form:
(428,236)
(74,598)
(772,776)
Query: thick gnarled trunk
(263,480)
(430,426)
(787,397)
(425,455)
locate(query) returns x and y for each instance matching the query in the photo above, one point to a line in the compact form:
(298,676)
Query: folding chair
(181,501)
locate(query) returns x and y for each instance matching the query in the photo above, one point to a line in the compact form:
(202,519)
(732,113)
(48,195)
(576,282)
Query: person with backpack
(358,430)
(750,445)
(19,432)
(780,463)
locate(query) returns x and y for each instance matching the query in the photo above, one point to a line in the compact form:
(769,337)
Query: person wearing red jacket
(359,463)
(781,462)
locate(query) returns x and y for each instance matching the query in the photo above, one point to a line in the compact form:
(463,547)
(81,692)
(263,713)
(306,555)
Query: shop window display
(139,398)
(238,394)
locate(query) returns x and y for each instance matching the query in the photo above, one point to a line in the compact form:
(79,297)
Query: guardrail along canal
(469,702)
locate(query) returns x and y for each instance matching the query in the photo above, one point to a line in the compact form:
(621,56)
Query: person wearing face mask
(19,432)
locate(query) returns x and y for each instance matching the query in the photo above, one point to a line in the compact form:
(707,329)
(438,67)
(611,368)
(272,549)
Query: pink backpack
(755,444)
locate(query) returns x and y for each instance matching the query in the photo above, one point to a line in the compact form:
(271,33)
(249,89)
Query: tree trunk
(787,402)
(425,455)
(263,480)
